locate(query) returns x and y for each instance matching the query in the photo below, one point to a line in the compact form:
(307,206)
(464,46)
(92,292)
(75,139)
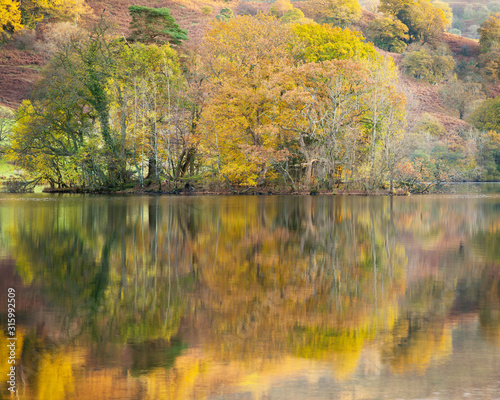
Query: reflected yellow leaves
(55,380)
(414,347)
(489,300)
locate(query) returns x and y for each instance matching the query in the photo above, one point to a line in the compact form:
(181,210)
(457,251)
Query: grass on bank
(6,170)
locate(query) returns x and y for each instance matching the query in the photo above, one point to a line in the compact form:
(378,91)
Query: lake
(253,297)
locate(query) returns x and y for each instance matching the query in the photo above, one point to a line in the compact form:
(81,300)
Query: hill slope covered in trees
(280,122)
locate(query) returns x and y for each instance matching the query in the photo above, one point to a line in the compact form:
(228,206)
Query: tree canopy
(487,115)
(10,16)
(389,34)
(424,19)
(337,12)
(154,25)
(326,42)
(489,32)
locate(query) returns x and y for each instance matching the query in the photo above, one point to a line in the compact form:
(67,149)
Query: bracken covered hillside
(18,72)
(423,97)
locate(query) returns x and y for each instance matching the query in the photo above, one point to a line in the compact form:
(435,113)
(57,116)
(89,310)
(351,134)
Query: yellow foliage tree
(34,11)
(10,16)
(243,57)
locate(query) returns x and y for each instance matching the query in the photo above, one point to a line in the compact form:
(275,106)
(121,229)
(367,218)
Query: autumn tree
(489,32)
(294,16)
(242,57)
(322,111)
(152,110)
(423,62)
(487,115)
(10,16)
(425,20)
(462,96)
(306,103)
(344,115)
(153,25)
(337,12)
(34,11)
(101,107)
(389,34)
(314,42)
(330,113)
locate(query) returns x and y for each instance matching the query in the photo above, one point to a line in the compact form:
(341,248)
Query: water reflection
(251,297)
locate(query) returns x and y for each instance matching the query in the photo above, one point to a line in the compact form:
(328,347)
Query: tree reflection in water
(164,297)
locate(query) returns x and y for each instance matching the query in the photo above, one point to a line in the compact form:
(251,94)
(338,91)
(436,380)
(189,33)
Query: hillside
(19,69)
(18,72)
(423,97)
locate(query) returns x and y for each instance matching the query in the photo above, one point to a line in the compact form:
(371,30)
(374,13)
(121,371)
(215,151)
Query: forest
(304,97)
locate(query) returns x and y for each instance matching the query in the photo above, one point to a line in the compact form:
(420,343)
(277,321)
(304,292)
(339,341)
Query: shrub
(151,25)
(24,39)
(245,8)
(487,115)
(292,15)
(225,14)
(422,62)
(388,34)
(430,124)
(489,33)
(206,10)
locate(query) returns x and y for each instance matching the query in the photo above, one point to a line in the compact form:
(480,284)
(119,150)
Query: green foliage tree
(153,25)
(389,34)
(489,156)
(489,64)
(431,65)
(487,115)
(225,14)
(337,12)
(489,32)
(6,120)
(462,96)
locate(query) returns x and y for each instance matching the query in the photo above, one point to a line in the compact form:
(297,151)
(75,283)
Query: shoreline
(225,192)
(191,191)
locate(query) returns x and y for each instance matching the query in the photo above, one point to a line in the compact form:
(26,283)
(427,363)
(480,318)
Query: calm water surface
(253,297)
